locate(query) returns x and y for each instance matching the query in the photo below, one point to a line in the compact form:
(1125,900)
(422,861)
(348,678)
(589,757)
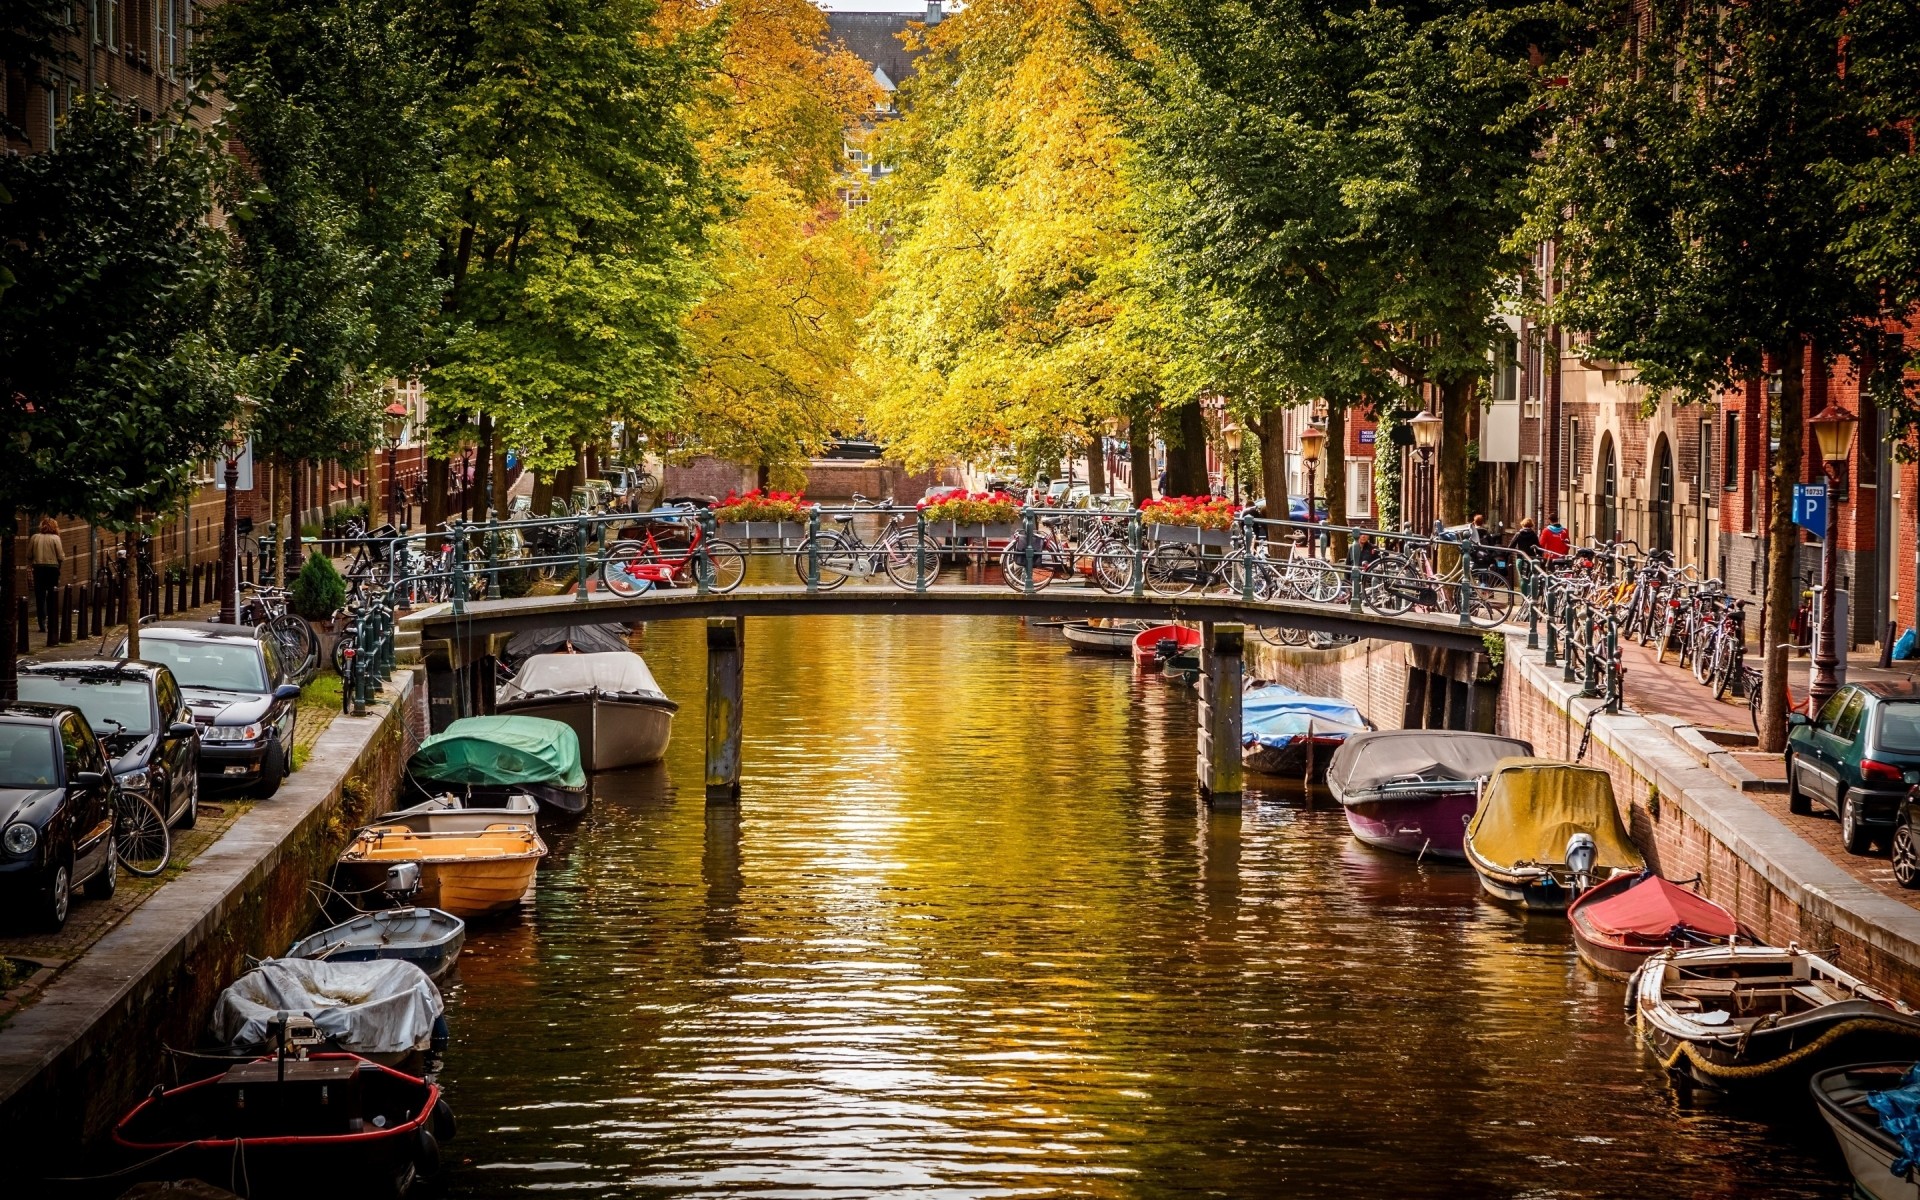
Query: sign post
(1810,508)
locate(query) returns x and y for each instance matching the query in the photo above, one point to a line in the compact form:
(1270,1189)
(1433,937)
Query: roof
(33,711)
(93,666)
(181,631)
(875,39)
(1890,689)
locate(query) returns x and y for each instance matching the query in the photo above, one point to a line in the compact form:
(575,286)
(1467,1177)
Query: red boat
(1146,643)
(328,1125)
(1624,921)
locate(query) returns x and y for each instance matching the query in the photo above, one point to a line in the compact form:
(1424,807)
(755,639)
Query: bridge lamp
(1313,442)
(1233,437)
(1426,436)
(229,518)
(1833,430)
(394,423)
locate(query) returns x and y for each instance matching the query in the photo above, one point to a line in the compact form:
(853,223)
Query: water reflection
(969,934)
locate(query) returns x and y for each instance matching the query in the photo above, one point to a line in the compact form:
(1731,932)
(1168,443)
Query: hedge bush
(318,591)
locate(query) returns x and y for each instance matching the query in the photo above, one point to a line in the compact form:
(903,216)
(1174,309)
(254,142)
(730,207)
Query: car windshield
(230,666)
(1900,727)
(26,754)
(105,702)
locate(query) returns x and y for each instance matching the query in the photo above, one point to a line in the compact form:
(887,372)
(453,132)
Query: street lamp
(1833,430)
(1313,440)
(229,516)
(394,425)
(1231,435)
(1426,436)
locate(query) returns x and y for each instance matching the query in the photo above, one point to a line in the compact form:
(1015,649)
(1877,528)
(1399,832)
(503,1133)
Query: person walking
(1526,540)
(47,553)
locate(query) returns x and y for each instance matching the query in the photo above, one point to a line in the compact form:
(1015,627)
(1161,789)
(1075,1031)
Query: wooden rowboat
(1116,638)
(1619,924)
(1146,643)
(469,874)
(1871,1152)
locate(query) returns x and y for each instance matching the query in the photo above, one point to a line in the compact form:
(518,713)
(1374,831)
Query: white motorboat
(610,701)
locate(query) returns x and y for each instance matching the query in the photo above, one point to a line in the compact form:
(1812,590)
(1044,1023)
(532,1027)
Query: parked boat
(469,874)
(385,1011)
(1740,1016)
(1146,643)
(485,760)
(1545,831)
(1859,1103)
(610,701)
(566,639)
(1093,637)
(1618,924)
(428,938)
(324,1126)
(1285,733)
(1413,790)
(446,814)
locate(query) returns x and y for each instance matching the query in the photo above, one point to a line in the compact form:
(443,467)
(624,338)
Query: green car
(1852,759)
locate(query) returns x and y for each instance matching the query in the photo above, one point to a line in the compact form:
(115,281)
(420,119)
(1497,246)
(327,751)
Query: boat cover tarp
(1654,908)
(1532,806)
(501,751)
(586,639)
(1368,760)
(385,1006)
(1275,714)
(616,673)
(1899,1113)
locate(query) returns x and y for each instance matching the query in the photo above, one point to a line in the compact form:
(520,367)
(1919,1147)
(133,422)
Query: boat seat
(1706,987)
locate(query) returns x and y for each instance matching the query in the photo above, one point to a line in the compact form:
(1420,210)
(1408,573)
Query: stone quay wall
(95,1041)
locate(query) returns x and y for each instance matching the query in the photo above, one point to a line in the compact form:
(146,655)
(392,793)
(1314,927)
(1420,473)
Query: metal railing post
(1353,572)
(1529,588)
(920,552)
(580,528)
(1613,680)
(1590,672)
(1568,673)
(1553,643)
(1134,530)
(1466,585)
(457,587)
(813,548)
(1029,524)
(1244,523)
(493,590)
(703,564)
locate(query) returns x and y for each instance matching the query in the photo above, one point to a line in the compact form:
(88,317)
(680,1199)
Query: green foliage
(318,590)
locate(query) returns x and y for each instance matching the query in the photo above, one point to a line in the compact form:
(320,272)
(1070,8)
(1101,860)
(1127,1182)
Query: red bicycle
(681,552)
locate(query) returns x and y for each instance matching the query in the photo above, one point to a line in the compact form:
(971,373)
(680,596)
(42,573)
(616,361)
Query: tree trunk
(10,603)
(1450,457)
(1187,453)
(435,513)
(130,592)
(1783,541)
(1097,467)
(542,493)
(1334,466)
(1140,459)
(1273,469)
(291,558)
(265,471)
(372,492)
(477,506)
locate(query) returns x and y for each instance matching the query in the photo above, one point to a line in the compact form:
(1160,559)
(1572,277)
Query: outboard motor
(1581,853)
(403,880)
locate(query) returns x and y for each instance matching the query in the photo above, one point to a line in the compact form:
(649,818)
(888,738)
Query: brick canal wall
(92,1044)
(1395,685)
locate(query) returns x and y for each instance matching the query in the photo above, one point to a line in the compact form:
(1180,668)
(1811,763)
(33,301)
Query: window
(1359,487)
(83,753)
(50,133)
(26,754)
(110,17)
(1705,475)
(172,40)
(96,24)
(1570,453)
(1831,710)
(1730,459)
(1849,719)
(172,706)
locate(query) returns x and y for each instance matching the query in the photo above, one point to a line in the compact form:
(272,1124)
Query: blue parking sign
(1810,508)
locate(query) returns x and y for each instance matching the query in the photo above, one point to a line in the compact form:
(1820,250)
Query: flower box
(759,531)
(954,531)
(1191,534)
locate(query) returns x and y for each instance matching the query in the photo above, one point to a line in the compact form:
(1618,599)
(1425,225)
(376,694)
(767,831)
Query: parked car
(139,715)
(57,809)
(241,698)
(1852,758)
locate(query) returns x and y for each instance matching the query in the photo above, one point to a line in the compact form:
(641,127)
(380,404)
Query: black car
(138,713)
(241,699)
(56,812)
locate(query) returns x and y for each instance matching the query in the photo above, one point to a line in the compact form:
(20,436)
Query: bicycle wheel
(1173,568)
(1113,565)
(1754,681)
(1315,580)
(1491,600)
(1703,645)
(618,570)
(1387,586)
(901,557)
(723,566)
(1723,668)
(141,837)
(832,555)
(298,639)
(1048,562)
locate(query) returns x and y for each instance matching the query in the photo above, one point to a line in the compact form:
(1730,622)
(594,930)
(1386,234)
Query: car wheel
(273,769)
(1853,832)
(107,880)
(190,815)
(1797,801)
(57,899)
(1906,856)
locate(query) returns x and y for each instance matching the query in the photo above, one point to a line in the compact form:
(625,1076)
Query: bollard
(97,601)
(66,614)
(21,609)
(193,584)
(53,623)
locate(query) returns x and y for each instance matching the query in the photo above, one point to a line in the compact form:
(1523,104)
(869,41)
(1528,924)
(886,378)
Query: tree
(1694,189)
(115,384)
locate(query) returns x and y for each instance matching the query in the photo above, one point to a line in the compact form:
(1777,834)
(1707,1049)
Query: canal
(971,935)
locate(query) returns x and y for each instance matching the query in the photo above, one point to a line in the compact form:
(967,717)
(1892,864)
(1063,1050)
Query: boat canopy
(501,751)
(1654,908)
(619,673)
(584,639)
(1368,760)
(385,1006)
(1276,712)
(1532,806)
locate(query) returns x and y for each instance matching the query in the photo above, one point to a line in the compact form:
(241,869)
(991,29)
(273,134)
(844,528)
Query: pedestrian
(1553,540)
(1478,528)
(1526,540)
(47,552)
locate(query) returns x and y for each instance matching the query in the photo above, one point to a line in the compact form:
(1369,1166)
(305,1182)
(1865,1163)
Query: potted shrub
(973,515)
(780,516)
(1205,520)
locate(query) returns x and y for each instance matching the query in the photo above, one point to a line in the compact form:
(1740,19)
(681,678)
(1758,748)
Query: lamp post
(1313,440)
(229,517)
(1426,436)
(394,425)
(1232,436)
(1833,429)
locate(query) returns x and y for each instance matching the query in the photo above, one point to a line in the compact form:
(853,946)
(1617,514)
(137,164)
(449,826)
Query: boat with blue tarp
(1284,732)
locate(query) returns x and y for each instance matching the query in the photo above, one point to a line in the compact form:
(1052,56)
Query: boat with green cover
(488,759)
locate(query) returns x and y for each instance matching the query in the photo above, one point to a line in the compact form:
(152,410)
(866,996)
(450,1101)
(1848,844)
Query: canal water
(971,935)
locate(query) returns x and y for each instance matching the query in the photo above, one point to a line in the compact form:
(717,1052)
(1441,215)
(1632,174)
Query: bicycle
(832,556)
(142,843)
(636,565)
(1394,584)
(299,645)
